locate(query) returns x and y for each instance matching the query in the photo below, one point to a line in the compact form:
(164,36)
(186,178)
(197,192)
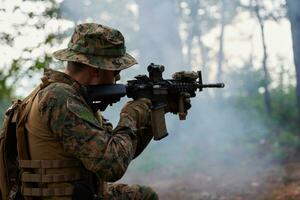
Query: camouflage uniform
(61,125)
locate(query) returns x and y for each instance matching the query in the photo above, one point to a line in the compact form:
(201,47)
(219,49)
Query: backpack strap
(20,117)
(9,172)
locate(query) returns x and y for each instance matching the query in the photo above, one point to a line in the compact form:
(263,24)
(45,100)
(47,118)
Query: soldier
(73,150)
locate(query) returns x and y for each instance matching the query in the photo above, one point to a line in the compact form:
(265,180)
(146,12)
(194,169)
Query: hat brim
(100,62)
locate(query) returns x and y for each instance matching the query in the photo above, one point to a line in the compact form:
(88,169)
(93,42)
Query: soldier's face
(100,77)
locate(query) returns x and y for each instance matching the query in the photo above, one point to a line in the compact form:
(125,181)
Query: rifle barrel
(215,85)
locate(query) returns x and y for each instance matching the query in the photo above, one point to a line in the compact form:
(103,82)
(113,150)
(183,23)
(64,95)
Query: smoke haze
(216,140)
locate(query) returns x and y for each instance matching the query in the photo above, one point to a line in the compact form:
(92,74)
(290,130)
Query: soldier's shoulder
(57,94)
(59,90)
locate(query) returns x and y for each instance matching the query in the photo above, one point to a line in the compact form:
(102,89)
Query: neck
(83,77)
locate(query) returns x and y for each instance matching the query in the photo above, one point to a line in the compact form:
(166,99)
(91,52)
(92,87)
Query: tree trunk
(158,40)
(193,28)
(267,96)
(294,16)
(198,32)
(221,41)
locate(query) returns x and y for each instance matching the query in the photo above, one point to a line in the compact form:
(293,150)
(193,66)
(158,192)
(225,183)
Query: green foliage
(282,138)
(284,108)
(4,104)
(285,145)
(29,19)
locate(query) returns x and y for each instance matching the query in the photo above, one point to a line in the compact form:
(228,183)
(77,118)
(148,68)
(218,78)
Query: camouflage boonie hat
(98,46)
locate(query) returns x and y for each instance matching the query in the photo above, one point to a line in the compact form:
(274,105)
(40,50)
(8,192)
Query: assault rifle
(160,91)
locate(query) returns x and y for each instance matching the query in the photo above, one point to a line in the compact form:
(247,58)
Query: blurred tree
(228,10)
(294,17)
(196,16)
(158,37)
(267,96)
(4,104)
(28,31)
(223,5)
(264,11)
(200,16)
(104,12)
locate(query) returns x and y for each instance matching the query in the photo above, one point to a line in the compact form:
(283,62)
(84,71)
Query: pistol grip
(158,122)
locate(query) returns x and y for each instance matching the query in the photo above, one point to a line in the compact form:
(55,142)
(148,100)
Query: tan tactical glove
(136,114)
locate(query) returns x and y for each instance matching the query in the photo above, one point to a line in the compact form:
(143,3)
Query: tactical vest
(47,171)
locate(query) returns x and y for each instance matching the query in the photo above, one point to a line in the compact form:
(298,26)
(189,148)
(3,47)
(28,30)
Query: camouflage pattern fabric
(68,115)
(125,192)
(103,151)
(138,112)
(97,46)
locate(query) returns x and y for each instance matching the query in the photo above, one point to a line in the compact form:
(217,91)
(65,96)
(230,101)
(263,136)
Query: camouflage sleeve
(79,130)
(144,136)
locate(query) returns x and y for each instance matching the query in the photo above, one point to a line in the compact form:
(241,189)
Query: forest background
(250,45)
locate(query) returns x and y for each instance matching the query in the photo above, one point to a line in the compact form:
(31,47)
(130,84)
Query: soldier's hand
(138,111)
(174,101)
